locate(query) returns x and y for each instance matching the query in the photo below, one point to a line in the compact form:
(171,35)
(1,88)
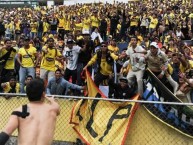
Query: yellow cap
(51,36)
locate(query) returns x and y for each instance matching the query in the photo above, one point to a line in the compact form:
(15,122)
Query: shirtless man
(36,120)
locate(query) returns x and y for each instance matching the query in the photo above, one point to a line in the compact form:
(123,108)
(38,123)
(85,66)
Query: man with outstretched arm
(36,120)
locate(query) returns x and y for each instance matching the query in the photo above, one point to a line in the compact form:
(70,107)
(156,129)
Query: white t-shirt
(136,56)
(96,34)
(178,34)
(71,56)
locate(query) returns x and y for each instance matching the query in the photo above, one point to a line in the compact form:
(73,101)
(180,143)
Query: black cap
(85,34)
(26,38)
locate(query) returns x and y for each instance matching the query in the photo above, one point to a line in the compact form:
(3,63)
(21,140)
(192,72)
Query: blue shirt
(60,86)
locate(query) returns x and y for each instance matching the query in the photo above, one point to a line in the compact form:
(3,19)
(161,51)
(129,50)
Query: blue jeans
(8,36)
(26,32)
(40,34)
(33,35)
(80,67)
(53,32)
(23,72)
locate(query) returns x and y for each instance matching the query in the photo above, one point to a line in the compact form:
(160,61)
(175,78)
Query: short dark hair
(12,77)
(50,39)
(133,36)
(175,54)
(6,40)
(58,70)
(35,89)
(104,43)
(29,76)
(26,38)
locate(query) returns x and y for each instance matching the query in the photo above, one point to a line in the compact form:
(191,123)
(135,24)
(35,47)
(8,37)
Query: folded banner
(102,122)
(177,117)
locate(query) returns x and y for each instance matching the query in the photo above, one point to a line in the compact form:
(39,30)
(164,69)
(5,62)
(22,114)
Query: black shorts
(17,32)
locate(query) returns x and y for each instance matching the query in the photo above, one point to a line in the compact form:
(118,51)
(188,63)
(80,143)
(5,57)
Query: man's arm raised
(9,129)
(54,104)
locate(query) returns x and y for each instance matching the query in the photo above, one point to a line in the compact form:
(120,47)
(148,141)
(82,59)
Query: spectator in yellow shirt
(105,60)
(34,26)
(153,23)
(7,55)
(134,23)
(11,86)
(49,56)
(95,20)
(61,26)
(28,59)
(86,25)
(68,25)
(113,47)
(46,26)
(17,29)
(9,29)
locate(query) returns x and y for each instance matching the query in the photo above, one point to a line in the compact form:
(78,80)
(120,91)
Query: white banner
(50,3)
(69,2)
(72,2)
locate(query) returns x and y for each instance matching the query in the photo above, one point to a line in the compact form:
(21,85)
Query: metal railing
(144,129)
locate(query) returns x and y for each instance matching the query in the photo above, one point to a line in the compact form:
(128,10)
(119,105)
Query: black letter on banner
(78,112)
(90,122)
(115,116)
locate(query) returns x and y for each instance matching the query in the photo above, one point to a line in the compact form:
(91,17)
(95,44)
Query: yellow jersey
(61,23)
(7,87)
(78,26)
(45,27)
(86,23)
(49,59)
(114,49)
(17,26)
(134,21)
(27,56)
(68,25)
(191,16)
(106,68)
(10,62)
(153,23)
(95,21)
(170,68)
(34,26)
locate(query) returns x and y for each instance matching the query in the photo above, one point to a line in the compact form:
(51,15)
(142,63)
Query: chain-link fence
(144,128)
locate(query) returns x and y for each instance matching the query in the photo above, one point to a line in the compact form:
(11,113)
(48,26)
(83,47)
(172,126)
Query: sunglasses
(103,46)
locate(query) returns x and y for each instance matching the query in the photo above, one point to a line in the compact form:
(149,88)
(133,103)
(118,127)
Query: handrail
(103,99)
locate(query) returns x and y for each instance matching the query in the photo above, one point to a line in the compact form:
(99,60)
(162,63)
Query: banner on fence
(102,122)
(178,117)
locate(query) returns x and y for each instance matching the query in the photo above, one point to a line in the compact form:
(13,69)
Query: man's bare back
(38,127)
(36,120)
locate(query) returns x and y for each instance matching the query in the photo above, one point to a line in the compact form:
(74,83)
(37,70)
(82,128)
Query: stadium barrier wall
(144,130)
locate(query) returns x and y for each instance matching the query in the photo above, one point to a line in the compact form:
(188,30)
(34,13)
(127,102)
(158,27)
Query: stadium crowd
(57,44)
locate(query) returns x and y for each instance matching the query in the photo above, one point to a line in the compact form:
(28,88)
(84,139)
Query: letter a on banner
(100,122)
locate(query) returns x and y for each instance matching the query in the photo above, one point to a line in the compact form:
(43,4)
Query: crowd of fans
(57,44)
